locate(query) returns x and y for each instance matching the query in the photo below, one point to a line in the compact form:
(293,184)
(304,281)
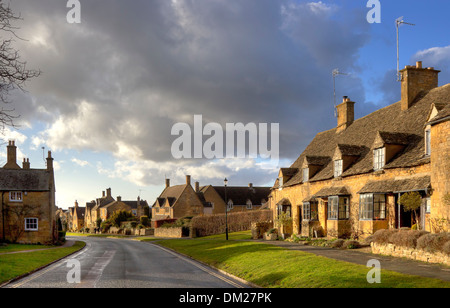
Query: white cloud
(81,163)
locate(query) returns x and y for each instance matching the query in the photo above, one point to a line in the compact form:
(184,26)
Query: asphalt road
(115,263)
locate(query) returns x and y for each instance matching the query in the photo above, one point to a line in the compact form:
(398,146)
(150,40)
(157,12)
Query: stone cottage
(349,179)
(27,201)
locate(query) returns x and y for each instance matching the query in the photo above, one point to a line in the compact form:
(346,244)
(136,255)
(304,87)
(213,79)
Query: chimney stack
(346,114)
(108,192)
(188,180)
(26,164)
(197,187)
(12,156)
(417,80)
(49,161)
(119,198)
(167,183)
(103,194)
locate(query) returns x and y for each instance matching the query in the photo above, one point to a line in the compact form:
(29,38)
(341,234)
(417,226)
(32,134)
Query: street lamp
(225,182)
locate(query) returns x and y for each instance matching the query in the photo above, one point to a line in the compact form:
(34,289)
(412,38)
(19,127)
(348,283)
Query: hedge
(215,224)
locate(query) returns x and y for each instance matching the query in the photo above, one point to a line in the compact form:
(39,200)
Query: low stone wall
(169,232)
(410,253)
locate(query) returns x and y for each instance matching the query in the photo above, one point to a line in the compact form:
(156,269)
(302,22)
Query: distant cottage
(27,201)
(184,200)
(349,180)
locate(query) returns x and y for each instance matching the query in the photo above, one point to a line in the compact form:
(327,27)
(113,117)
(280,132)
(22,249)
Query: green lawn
(274,267)
(15,265)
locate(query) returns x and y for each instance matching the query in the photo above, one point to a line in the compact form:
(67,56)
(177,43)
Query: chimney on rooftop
(12,156)
(346,114)
(197,187)
(119,198)
(416,80)
(188,180)
(167,183)
(108,192)
(26,164)
(49,161)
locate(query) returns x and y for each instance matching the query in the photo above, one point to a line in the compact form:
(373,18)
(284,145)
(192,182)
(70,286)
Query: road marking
(205,269)
(96,271)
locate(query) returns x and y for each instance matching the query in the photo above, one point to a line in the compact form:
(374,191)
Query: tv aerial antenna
(336,73)
(398,22)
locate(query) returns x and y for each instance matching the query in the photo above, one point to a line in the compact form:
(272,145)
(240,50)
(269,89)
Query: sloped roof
(240,194)
(393,186)
(24,180)
(362,133)
(331,191)
(170,194)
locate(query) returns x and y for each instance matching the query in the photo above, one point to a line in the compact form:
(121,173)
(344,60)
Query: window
(333,205)
(379,207)
(15,196)
(338,208)
(379,158)
(305,175)
(230,205)
(428,142)
(249,205)
(372,207)
(311,211)
(428,205)
(31,224)
(337,168)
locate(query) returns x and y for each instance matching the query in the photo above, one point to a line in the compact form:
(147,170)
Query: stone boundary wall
(169,232)
(410,253)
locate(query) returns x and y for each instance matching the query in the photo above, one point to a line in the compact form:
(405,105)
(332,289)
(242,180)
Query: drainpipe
(399,211)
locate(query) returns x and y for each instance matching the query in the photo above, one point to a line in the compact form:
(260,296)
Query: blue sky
(113,86)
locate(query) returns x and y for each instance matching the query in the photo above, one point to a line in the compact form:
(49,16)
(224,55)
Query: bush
(337,243)
(145,221)
(215,224)
(351,244)
(434,242)
(119,217)
(381,236)
(406,238)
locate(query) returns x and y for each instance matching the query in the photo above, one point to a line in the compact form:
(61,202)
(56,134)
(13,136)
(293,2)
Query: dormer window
(249,205)
(379,158)
(305,175)
(338,168)
(428,142)
(230,205)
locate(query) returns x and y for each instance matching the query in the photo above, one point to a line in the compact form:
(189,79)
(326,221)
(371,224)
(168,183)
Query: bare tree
(13,71)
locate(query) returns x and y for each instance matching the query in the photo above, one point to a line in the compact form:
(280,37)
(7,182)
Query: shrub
(337,243)
(381,236)
(406,238)
(446,249)
(351,244)
(272,231)
(144,220)
(215,224)
(119,217)
(434,242)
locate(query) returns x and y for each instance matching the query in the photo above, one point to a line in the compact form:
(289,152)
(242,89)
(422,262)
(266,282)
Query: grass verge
(270,266)
(15,265)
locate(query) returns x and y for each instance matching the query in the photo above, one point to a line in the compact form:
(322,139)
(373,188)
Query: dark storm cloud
(132,69)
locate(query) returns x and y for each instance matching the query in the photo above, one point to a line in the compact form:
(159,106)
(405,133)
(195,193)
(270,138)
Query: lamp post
(226,208)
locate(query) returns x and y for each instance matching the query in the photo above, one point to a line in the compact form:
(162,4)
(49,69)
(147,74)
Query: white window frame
(230,205)
(30,222)
(305,175)
(428,142)
(379,158)
(15,196)
(249,205)
(428,205)
(338,168)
